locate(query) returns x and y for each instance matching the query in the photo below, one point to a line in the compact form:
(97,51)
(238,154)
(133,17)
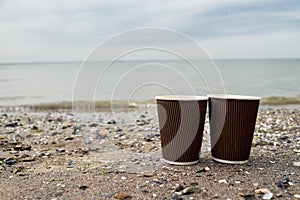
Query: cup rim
(233,97)
(181,97)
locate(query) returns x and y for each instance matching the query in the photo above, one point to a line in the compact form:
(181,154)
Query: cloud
(69,29)
(266,45)
(243,19)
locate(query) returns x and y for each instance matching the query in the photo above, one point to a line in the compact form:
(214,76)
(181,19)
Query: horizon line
(132,60)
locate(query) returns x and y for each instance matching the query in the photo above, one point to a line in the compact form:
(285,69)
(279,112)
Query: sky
(68,30)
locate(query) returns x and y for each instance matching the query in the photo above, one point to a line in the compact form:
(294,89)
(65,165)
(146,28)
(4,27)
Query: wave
(81,106)
(12,98)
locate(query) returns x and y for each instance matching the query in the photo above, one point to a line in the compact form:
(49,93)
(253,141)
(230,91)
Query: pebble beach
(58,155)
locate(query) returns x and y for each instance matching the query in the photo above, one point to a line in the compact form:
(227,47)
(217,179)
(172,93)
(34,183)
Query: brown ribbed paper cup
(232,123)
(181,122)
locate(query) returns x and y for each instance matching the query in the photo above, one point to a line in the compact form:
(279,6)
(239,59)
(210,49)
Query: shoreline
(55,155)
(121,106)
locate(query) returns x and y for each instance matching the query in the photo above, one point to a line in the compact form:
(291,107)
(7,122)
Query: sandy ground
(57,156)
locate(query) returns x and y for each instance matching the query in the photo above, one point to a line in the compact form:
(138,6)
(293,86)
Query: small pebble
(141,122)
(297,196)
(17,147)
(203,170)
(26,147)
(267,194)
(144,191)
(9,161)
(296,150)
(189,190)
(272,149)
(283,184)
(223,181)
(117,129)
(296,164)
(82,187)
(111,122)
(61,150)
(123,195)
(279,194)
(14,124)
(176,197)
(207,168)
(60,185)
(69,138)
(93,125)
(179,188)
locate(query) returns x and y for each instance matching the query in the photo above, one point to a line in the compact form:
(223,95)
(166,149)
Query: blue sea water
(34,83)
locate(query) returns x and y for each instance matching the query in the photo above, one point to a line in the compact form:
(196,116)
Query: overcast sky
(61,30)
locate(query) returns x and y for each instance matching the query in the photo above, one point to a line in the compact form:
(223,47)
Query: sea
(135,80)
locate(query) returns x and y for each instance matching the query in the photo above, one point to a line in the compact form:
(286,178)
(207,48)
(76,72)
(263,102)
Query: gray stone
(93,125)
(189,190)
(297,164)
(176,197)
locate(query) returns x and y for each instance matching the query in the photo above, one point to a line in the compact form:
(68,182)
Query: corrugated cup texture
(181,129)
(232,124)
